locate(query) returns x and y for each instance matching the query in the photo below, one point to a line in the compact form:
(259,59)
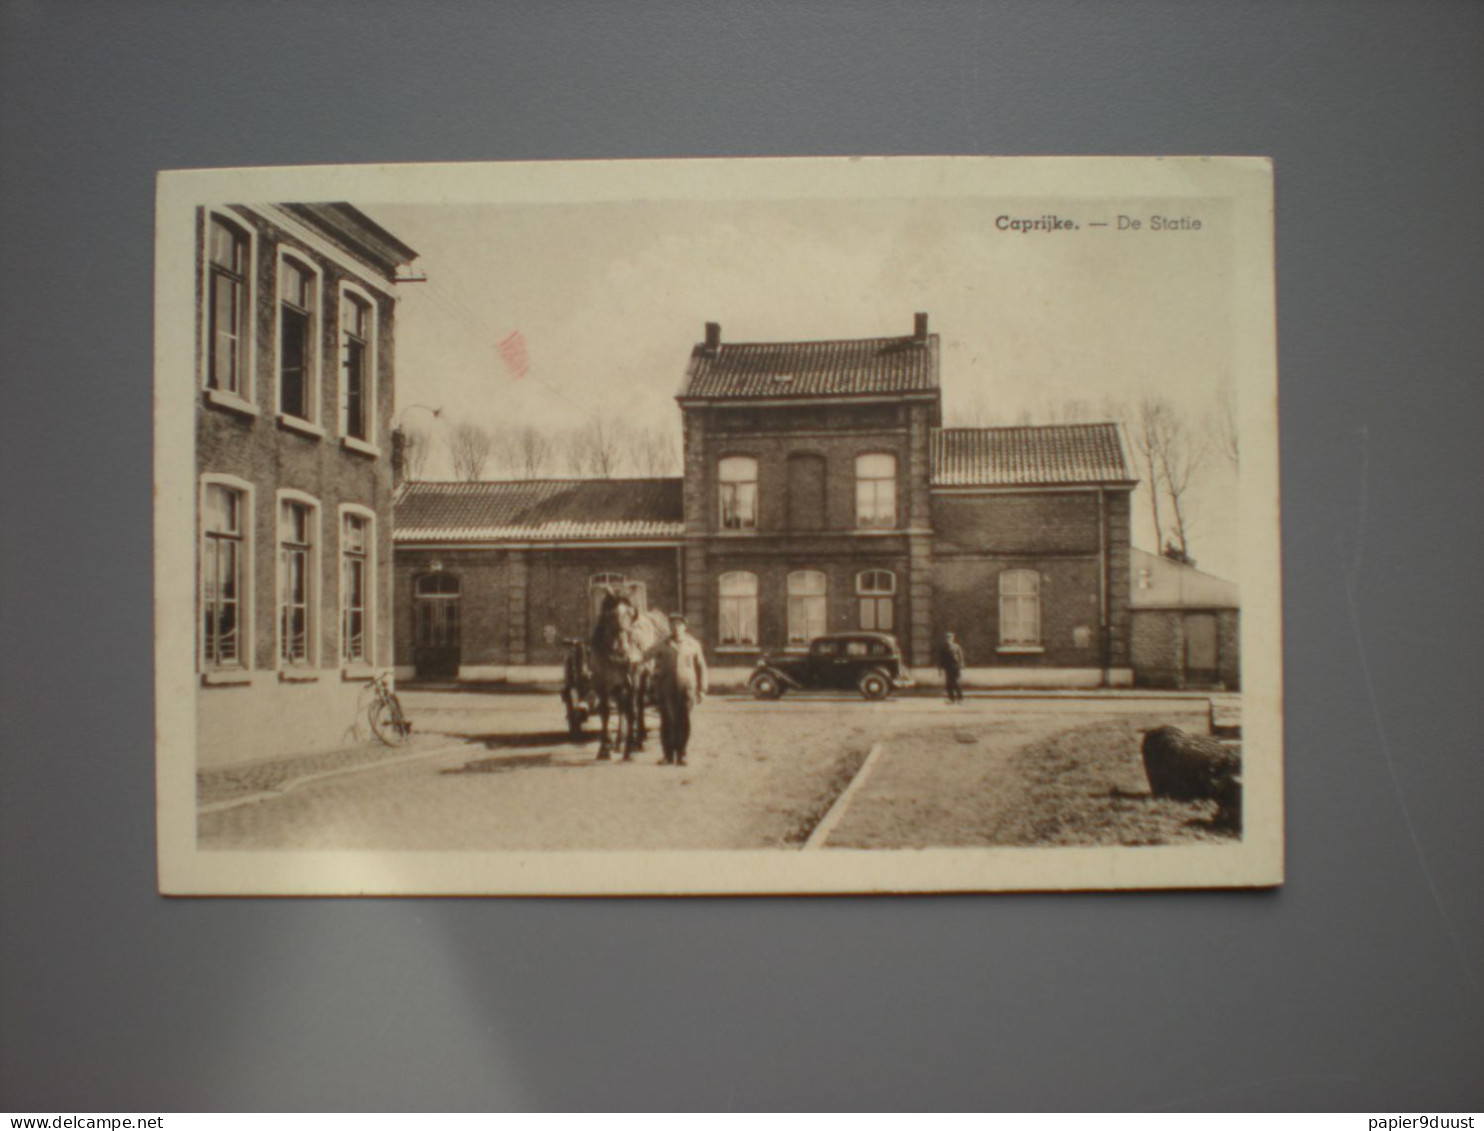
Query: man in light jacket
(680,684)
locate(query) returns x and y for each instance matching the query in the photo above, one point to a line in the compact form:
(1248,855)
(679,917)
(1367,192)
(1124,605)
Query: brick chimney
(919,327)
(713,336)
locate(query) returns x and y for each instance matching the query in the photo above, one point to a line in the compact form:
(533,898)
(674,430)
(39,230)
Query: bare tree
(469,447)
(416,448)
(1171,452)
(1221,422)
(1180,457)
(1151,421)
(653,451)
(532,452)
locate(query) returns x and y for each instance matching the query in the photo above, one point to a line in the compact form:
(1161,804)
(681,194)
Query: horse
(621,659)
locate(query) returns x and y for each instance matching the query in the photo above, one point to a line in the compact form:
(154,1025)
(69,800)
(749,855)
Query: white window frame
(800,634)
(866,512)
(245,652)
(313,608)
(722,485)
(1019,640)
(872,598)
(244,398)
(314,361)
(347,290)
(744,602)
(368,587)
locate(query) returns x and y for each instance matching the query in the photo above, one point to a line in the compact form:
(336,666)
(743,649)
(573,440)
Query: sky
(610,297)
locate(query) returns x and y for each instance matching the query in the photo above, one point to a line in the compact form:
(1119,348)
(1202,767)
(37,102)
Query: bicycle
(388,721)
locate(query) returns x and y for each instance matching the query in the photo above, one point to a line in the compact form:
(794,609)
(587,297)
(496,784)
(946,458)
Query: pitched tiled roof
(1041,454)
(856,367)
(539,510)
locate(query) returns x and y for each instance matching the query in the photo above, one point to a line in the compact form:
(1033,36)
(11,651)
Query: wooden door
(1200,648)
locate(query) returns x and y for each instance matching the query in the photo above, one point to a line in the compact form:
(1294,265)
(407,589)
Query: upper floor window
(357,386)
(296,583)
(738,610)
(876,592)
(876,491)
(225,521)
(807,589)
(228,313)
(738,482)
(356,546)
(298,334)
(1020,608)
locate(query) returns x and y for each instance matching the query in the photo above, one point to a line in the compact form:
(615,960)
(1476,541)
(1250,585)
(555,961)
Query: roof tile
(1027,456)
(539,510)
(855,367)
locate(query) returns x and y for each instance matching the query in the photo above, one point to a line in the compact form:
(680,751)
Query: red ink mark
(517,359)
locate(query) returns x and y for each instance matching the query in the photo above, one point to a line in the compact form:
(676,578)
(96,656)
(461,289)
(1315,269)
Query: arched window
(298,339)
(1020,608)
(357,584)
(298,580)
(876,593)
(807,591)
(737,484)
(228,308)
(602,584)
(738,610)
(876,491)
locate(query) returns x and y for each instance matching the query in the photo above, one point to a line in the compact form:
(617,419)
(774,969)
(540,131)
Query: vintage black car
(869,662)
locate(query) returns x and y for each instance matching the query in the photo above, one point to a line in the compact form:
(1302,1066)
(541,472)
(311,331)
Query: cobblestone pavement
(215,786)
(760,775)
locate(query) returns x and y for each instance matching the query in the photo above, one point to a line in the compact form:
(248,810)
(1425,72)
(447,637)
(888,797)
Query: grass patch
(1086,786)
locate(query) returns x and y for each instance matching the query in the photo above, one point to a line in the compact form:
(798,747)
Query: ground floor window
(355,544)
(296,582)
(222,593)
(738,613)
(807,590)
(1020,608)
(876,594)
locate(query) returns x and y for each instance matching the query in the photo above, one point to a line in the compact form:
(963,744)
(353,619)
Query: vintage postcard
(718,527)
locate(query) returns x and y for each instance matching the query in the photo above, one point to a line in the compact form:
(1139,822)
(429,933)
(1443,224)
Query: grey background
(1357,986)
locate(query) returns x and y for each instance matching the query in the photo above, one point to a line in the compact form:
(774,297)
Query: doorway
(435,630)
(1200,649)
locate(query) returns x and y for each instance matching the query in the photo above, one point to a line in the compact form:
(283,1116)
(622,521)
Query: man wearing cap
(951,663)
(680,684)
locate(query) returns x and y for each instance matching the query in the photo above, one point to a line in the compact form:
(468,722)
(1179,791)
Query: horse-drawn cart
(579,693)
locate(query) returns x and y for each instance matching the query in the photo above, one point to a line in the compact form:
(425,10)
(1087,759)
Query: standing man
(951,663)
(681,683)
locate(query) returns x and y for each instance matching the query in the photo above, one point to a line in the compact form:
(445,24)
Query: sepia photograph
(718,527)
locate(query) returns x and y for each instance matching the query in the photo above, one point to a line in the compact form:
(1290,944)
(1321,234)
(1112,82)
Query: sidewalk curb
(836,812)
(307,779)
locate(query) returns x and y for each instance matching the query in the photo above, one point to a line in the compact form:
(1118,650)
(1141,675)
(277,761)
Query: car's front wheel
(765,686)
(875,685)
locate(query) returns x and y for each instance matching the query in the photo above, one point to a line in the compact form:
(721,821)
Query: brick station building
(821,493)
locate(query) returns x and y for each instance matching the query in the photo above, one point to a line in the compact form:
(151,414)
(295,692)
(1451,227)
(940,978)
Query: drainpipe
(1103,642)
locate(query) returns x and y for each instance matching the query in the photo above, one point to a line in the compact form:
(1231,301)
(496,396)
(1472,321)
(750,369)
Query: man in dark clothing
(951,662)
(680,679)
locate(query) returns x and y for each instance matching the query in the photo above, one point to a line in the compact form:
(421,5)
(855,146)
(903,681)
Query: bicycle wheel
(388,723)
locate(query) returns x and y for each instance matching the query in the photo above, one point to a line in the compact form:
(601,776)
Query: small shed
(1186,625)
